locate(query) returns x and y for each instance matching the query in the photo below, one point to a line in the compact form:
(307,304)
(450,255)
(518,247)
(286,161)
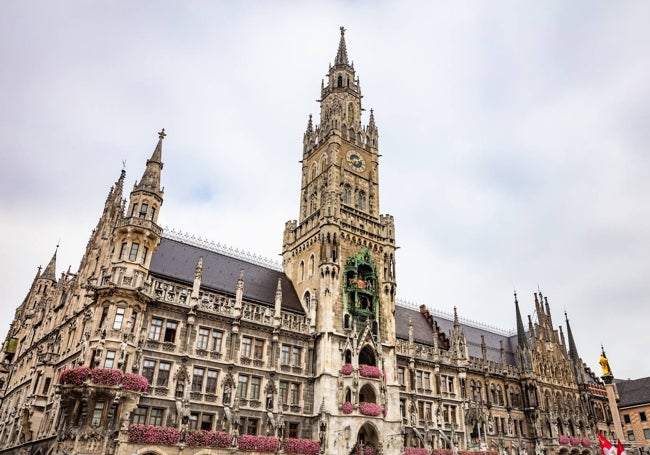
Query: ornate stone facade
(317,349)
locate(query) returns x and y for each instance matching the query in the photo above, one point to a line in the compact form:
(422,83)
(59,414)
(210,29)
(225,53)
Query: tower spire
(573,351)
(342,53)
(50,271)
(522,341)
(150,180)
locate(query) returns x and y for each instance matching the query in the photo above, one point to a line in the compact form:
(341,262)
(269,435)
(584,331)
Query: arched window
(301,271)
(367,356)
(362,200)
(339,81)
(347,194)
(350,113)
(307,300)
(311,265)
(314,171)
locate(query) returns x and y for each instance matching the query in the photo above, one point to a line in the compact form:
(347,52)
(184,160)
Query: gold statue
(604,363)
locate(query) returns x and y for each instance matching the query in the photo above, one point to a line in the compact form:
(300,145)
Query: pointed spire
(342,54)
(310,126)
(522,341)
(371,120)
(150,180)
(573,351)
(456,321)
(50,271)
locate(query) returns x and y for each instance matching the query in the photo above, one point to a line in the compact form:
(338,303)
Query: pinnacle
(342,54)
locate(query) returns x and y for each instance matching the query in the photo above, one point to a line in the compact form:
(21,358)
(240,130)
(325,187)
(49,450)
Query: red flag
(619,449)
(605,446)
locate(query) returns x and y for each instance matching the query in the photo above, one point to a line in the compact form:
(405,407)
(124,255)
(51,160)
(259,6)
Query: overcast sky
(514,140)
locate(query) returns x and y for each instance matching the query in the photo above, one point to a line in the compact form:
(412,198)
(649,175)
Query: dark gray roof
(422,333)
(176,261)
(633,392)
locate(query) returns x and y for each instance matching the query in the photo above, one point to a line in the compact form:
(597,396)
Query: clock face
(355,161)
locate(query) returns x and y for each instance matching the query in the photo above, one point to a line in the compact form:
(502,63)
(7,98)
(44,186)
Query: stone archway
(368,435)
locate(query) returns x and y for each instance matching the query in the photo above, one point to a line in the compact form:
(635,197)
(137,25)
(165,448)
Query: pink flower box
(258,443)
(586,442)
(368,371)
(135,382)
(370,409)
(364,450)
(347,369)
(415,451)
(150,434)
(575,440)
(201,438)
(106,376)
(347,408)
(301,446)
(74,376)
(563,439)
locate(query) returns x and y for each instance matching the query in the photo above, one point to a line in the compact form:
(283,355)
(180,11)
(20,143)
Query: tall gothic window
(347,194)
(362,200)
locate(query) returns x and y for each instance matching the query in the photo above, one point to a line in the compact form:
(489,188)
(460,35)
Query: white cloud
(513,139)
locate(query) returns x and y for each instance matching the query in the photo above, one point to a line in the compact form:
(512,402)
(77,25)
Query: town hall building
(164,344)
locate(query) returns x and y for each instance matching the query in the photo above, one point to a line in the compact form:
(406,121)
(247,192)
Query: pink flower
(347,369)
(74,376)
(368,371)
(347,408)
(301,446)
(370,409)
(575,440)
(106,376)
(586,442)
(258,443)
(415,451)
(563,439)
(150,434)
(201,438)
(135,382)
(364,450)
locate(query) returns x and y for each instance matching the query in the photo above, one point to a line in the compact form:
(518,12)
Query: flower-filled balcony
(370,409)
(369,371)
(103,377)
(172,436)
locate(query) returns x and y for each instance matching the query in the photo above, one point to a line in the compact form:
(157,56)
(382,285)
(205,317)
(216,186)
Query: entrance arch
(368,435)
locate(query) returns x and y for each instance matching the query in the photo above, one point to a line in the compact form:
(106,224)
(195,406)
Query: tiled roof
(422,333)
(633,392)
(176,261)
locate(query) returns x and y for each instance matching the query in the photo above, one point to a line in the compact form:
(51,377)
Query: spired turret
(137,235)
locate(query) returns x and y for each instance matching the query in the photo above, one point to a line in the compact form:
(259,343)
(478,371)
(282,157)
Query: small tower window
(123,251)
(339,82)
(133,255)
(307,301)
(143,258)
(133,210)
(311,265)
(153,212)
(144,208)
(301,270)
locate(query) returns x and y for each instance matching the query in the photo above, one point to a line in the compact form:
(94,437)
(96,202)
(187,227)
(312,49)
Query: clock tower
(340,256)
